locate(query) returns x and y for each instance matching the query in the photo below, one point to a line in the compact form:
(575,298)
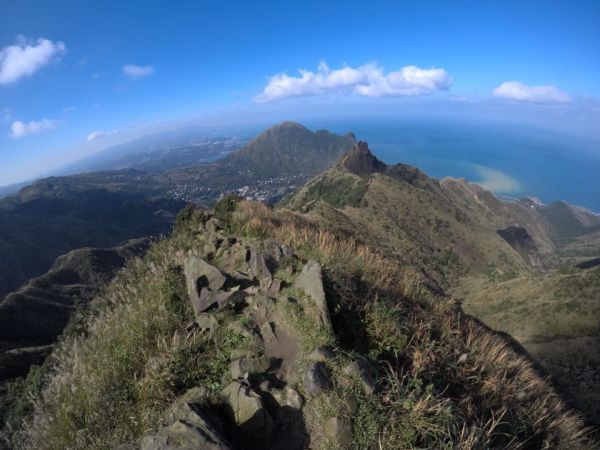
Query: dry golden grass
(492,399)
(445,382)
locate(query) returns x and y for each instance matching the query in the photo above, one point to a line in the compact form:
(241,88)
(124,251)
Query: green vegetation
(442,380)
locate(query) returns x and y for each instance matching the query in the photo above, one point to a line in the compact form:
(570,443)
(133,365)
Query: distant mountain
(56,215)
(289,148)
(159,152)
(278,160)
(403,210)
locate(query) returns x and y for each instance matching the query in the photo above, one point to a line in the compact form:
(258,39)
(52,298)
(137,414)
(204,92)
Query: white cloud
(367,80)
(20,129)
(25,58)
(133,71)
(515,90)
(100,134)
(496,181)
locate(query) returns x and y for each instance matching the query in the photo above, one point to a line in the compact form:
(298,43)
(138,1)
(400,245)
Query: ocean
(508,160)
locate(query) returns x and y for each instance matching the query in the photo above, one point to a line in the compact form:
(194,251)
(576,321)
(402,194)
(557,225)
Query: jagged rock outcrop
(276,371)
(519,239)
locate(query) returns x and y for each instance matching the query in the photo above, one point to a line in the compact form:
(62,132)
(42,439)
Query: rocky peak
(360,161)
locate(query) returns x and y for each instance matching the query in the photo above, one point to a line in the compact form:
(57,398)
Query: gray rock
(202,279)
(361,369)
(294,399)
(339,430)
(181,435)
(321,354)
(310,281)
(249,411)
(316,379)
(274,289)
(186,427)
(259,269)
(251,366)
(206,322)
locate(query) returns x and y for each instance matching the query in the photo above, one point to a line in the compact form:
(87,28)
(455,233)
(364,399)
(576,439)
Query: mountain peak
(360,161)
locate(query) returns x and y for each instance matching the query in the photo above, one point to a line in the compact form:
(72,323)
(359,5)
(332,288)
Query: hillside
(33,317)
(407,214)
(511,263)
(56,215)
(278,160)
(259,329)
(100,209)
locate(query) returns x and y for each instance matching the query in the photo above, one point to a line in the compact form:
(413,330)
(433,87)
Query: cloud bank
(496,181)
(99,134)
(369,80)
(25,58)
(515,90)
(136,72)
(20,129)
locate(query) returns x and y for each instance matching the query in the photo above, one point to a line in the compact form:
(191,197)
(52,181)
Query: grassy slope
(108,388)
(450,234)
(423,227)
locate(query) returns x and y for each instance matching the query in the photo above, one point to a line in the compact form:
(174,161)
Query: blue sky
(79,76)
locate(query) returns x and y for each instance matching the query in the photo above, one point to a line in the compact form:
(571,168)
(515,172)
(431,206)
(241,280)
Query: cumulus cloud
(99,134)
(496,181)
(24,58)
(369,80)
(20,129)
(515,90)
(133,71)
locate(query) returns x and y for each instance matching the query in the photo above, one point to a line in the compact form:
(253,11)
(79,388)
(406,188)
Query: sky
(77,77)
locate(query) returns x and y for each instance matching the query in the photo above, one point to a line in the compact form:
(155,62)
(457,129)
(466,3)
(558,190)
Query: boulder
(339,430)
(202,279)
(294,399)
(310,281)
(259,269)
(252,366)
(361,369)
(186,427)
(321,354)
(249,411)
(316,379)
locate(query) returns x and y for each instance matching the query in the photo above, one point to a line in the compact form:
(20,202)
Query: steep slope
(32,318)
(508,261)
(287,148)
(270,332)
(281,158)
(54,216)
(408,214)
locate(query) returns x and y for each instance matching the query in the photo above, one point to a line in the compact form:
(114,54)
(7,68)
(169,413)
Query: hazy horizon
(82,78)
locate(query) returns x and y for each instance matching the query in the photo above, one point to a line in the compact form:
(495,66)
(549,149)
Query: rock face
(310,281)
(316,379)
(519,239)
(249,412)
(360,161)
(361,369)
(186,427)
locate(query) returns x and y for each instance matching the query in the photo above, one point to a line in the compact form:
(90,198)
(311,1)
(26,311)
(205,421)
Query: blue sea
(509,160)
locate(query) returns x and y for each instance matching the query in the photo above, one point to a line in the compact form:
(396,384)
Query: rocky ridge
(266,285)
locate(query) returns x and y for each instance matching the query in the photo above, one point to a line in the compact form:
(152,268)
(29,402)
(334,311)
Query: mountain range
(439,248)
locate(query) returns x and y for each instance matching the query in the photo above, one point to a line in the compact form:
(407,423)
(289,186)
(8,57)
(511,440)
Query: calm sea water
(512,161)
